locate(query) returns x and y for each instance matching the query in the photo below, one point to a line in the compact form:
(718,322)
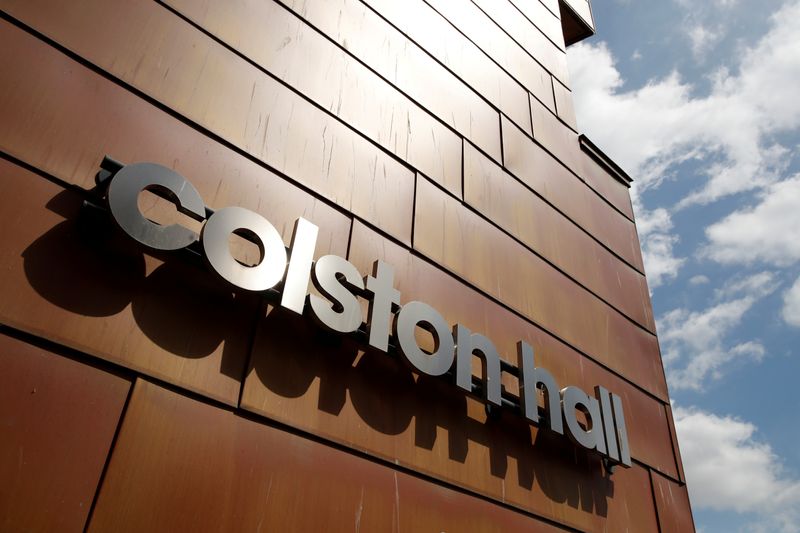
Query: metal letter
(622,431)
(215,235)
(384,299)
(123,198)
(468,344)
(530,378)
(574,398)
(608,421)
(343,312)
(295,288)
(405,323)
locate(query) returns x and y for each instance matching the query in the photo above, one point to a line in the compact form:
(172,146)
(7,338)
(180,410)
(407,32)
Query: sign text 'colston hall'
(339,309)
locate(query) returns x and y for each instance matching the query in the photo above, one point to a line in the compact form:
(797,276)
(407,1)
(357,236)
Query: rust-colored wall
(140,392)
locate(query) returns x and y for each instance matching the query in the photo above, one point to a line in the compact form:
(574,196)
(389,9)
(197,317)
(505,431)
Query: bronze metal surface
(71,282)
(357,29)
(541,172)
(418,279)
(295,53)
(474,24)
(564,105)
(551,133)
(471,248)
(63,118)
(509,204)
(184,465)
(421,133)
(184,69)
(606,185)
(374,403)
(439,38)
(672,503)
(529,37)
(671,420)
(57,420)
(544,19)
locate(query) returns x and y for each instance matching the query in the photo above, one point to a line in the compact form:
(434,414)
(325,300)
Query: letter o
(215,235)
(413,314)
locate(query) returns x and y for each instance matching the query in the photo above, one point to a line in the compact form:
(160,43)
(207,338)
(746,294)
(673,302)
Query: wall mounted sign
(339,309)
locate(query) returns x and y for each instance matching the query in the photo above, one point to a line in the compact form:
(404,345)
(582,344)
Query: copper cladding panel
(671,419)
(68,283)
(558,139)
(63,118)
(155,51)
(542,173)
(490,38)
(544,19)
(529,37)
(672,503)
(292,51)
(418,279)
(510,205)
(367,36)
(471,248)
(57,421)
(563,143)
(439,38)
(373,403)
(606,185)
(564,104)
(209,122)
(182,465)
(552,6)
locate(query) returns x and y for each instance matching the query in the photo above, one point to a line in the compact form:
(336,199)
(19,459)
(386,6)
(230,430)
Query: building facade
(477,349)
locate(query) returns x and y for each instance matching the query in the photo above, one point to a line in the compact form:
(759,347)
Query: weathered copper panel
(670,418)
(672,503)
(528,36)
(473,249)
(606,185)
(325,110)
(57,420)
(440,39)
(182,465)
(509,204)
(473,23)
(366,35)
(564,105)
(558,139)
(65,281)
(542,173)
(418,279)
(280,42)
(373,402)
(187,71)
(544,19)
(552,6)
(63,118)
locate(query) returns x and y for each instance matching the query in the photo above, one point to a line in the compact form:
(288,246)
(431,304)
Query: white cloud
(731,131)
(766,233)
(693,343)
(728,469)
(657,242)
(703,39)
(700,279)
(791,304)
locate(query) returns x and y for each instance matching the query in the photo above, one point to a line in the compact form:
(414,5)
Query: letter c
(123,197)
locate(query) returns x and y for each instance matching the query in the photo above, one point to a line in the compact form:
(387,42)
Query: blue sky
(700,103)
